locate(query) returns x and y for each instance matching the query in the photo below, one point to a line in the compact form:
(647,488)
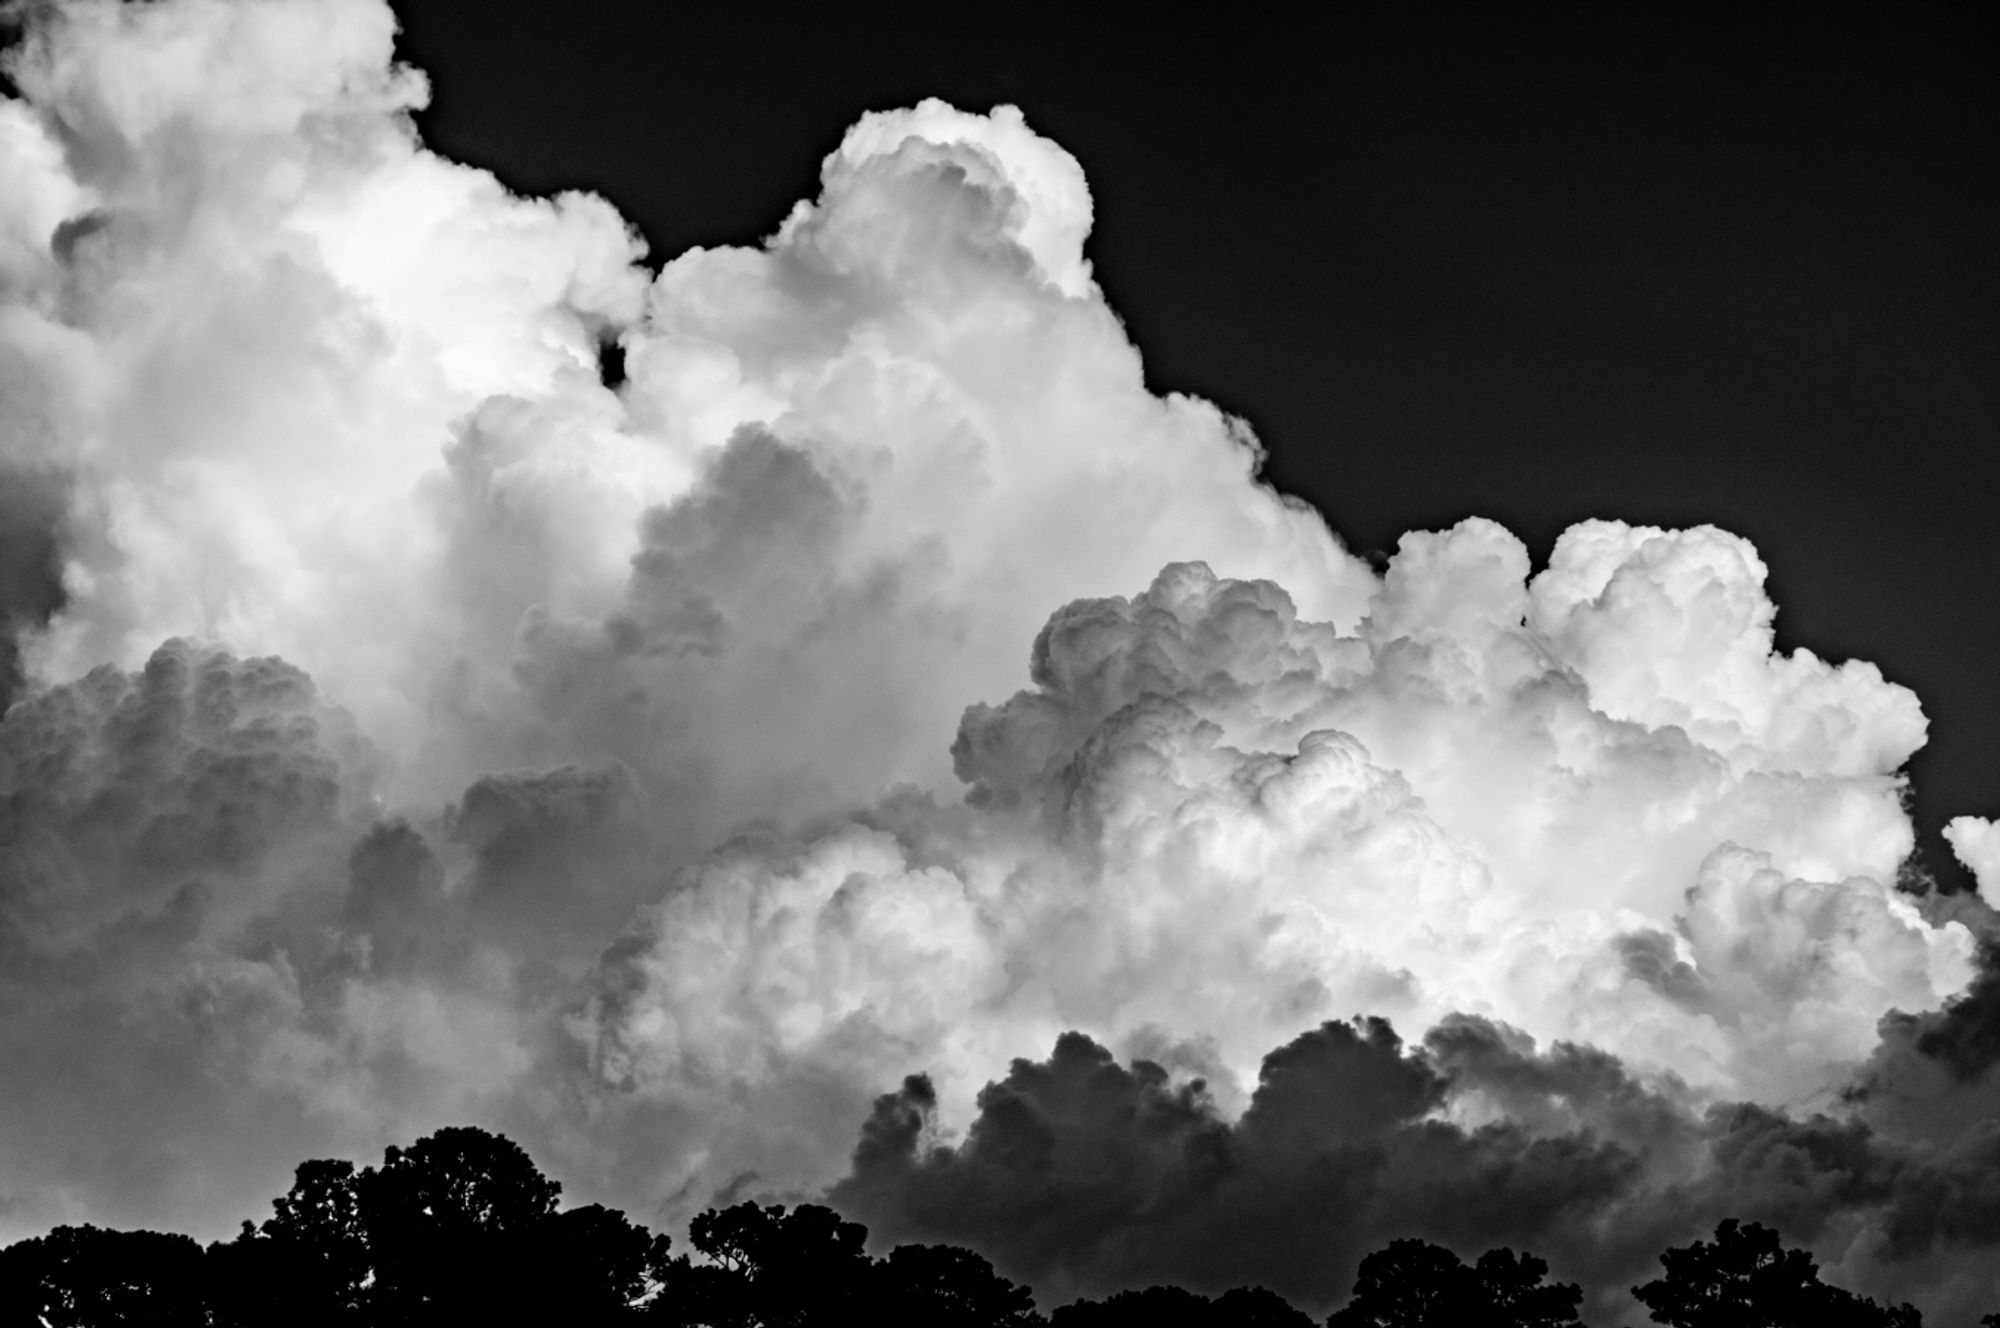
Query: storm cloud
(1082,1175)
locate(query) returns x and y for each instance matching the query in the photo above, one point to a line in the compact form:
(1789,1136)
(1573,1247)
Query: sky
(1168,653)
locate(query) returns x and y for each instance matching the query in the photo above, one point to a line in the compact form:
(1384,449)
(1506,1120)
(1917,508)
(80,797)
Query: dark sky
(1539,265)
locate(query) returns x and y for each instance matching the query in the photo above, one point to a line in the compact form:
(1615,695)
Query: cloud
(150,817)
(31,590)
(880,680)
(300,386)
(256,365)
(1083,1176)
(1120,865)
(1976,841)
(250,306)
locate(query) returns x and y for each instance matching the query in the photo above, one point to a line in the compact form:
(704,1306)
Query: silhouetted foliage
(592,1265)
(458,1227)
(455,1220)
(462,1228)
(1745,1278)
(1516,1295)
(1406,1284)
(1137,1309)
(1244,1307)
(82,1277)
(798,1268)
(309,1261)
(1414,1284)
(1258,1307)
(951,1288)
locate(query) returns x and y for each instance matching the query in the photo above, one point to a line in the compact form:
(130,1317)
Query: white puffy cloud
(1675,629)
(1976,842)
(257,308)
(1214,821)
(314,392)
(331,396)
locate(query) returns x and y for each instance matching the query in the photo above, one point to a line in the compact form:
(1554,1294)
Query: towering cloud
(880,682)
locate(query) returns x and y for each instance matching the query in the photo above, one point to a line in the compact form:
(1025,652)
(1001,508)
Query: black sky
(1539,264)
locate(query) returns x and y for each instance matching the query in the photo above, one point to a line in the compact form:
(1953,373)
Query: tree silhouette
(86,1277)
(459,1219)
(1244,1307)
(1257,1307)
(1515,1294)
(1414,1284)
(309,1262)
(459,1179)
(1409,1284)
(460,1223)
(780,1269)
(588,1265)
(1746,1278)
(951,1288)
(702,1294)
(461,1227)
(1137,1309)
(21,1293)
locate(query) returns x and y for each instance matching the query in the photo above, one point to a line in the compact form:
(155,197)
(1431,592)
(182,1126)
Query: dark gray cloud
(1082,1176)
(563,852)
(1964,1037)
(148,819)
(33,505)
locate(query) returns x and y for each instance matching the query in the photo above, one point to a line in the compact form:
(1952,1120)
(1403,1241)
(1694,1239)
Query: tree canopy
(1745,1278)
(462,1227)
(1414,1284)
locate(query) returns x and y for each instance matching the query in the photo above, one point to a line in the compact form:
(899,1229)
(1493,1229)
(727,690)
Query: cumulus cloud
(279,377)
(335,396)
(1976,842)
(880,680)
(151,819)
(1121,864)
(1083,1175)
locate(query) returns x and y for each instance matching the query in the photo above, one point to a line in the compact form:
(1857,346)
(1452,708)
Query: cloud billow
(1082,1175)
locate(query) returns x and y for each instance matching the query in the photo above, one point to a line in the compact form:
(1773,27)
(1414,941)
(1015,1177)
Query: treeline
(462,1225)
